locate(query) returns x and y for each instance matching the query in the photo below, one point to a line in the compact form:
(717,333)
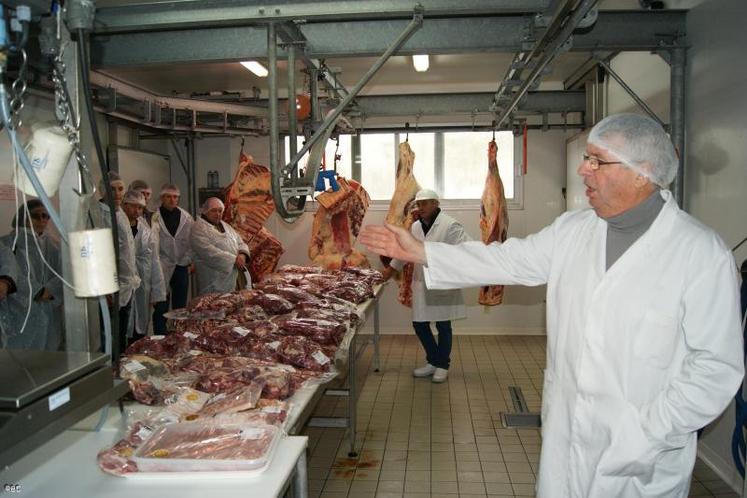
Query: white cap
(426,194)
(167,188)
(133,197)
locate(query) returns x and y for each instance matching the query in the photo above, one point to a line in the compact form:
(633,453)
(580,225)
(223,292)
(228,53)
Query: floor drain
(523,417)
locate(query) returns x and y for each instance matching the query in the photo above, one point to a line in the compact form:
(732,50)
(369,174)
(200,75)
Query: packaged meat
(140,367)
(186,401)
(240,399)
(300,269)
(159,346)
(319,330)
(206,446)
(304,353)
(272,303)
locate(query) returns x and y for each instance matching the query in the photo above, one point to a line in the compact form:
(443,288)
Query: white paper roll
(92,259)
(49,152)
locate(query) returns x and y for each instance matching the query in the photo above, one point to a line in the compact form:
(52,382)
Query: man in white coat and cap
(152,287)
(440,306)
(644,343)
(172,227)
(220,253)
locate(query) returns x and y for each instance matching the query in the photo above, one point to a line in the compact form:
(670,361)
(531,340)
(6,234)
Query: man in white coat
(172,227)
(152,287)
(644,343)
(219,251)
(440,306)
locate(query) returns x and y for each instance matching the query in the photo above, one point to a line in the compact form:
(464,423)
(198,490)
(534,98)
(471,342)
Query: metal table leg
(376,335)
(352,355)
(300,478)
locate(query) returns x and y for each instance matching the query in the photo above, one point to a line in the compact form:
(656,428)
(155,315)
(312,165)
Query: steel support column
(677,119)
(292,108)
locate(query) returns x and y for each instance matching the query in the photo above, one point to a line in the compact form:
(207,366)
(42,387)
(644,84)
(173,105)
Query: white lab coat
(129,279)
(435,305)
(215,256)
(639,357)
(152,288)
(173,250)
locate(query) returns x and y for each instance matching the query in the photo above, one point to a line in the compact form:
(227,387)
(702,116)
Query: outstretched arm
(393,241)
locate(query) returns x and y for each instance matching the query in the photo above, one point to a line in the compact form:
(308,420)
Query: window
(344,166)
(378,164)
(466,163)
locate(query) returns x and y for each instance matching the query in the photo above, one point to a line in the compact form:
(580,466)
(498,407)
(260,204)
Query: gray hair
(211,200)
(640,143)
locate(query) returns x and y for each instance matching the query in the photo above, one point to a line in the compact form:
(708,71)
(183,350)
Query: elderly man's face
(118,190)
(169,201)
(133,211)
(214,212)
(612,188)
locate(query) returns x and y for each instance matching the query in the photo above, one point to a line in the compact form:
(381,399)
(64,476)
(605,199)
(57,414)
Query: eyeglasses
(40,216)
(595,163)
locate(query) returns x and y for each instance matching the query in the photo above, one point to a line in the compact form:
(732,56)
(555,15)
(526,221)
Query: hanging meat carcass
(336,225)
(493,220)
(248,205)
(401,211)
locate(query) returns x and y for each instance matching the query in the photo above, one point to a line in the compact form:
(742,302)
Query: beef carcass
(248,205)
(337,223)
(401,212)
(493,219)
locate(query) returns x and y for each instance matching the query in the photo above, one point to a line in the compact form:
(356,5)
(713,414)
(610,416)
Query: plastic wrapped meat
(354,292)
(140,367)
(186,402)
(220,341)
(327,314)
(300,269)
(278,382)
(226,379)
(272,303)
(303,353)
(268,412)
(242,398)
(292,294)
(318,330)
(155,390)
(247,313)
(202,302)
(158,346)
(117,460)
(374,277)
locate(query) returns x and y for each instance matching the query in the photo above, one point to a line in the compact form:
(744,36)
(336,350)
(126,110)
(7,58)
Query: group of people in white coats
(644,340)
(158,251)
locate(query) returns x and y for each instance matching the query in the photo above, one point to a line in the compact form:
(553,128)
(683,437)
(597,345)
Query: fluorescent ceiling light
(420,62)
(256,68)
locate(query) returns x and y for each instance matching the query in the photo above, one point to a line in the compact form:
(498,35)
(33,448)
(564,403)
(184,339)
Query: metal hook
(407,132)
(494,130)
(242,146)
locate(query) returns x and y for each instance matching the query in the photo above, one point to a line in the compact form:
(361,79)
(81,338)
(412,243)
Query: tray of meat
(206,447)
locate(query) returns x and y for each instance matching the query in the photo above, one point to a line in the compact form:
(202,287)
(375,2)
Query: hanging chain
(18,92)
(66,117)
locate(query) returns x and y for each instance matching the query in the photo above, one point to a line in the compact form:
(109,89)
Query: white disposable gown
(129,279)
(215,256)
(44,325)
(152,287)
(173,249)
(431,305)
(639,357)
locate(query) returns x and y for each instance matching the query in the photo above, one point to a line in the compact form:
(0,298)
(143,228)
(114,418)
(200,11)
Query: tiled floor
(419,439)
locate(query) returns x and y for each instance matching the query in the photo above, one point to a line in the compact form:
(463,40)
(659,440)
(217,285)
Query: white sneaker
(440,375)
(425,371)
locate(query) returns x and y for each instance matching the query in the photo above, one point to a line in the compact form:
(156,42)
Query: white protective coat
(435,305)
(639,357)
(215,256)
(153,287)
(173,250)
(128,277)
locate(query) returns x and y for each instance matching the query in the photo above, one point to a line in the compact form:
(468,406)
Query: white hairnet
(640,143)
(168,188)
(210,202)
(133,197)
(426,194)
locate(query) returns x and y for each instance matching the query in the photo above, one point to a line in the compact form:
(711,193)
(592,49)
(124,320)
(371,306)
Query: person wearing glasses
(220,253)
(35,314)
(644,343)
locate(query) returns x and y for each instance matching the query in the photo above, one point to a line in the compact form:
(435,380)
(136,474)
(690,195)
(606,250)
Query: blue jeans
(437,354)
(179,288)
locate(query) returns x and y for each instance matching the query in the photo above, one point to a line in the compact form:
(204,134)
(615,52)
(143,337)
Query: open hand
(393,241)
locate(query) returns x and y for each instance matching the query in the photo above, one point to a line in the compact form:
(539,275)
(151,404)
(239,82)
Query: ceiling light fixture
(256,68)
(420,62)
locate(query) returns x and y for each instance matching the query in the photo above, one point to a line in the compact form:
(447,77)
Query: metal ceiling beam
(443,104)
(612,31)
(201,13)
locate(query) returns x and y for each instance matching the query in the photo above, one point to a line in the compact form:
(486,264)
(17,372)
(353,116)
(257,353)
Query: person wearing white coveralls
(152,287)
(440,306)
(219,251)
(172,226)
(644,343)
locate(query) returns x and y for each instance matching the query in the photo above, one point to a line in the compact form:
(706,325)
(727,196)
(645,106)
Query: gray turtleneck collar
(625,228)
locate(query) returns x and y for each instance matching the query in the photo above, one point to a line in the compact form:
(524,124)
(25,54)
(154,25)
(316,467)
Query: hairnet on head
(133,197)
(210,202)
(168,188)
(640,143)
(112,176)
(426,194)
(139,185)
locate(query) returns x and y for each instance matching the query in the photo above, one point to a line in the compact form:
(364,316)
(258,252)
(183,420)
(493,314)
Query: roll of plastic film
(48,150)
(93,263)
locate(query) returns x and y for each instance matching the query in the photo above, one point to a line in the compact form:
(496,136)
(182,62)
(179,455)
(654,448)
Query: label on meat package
(273,344)
(190,335)
(251,433)
(157,337)
(144,432)
(241,331)
(195,352)
(134,366)
(320,357)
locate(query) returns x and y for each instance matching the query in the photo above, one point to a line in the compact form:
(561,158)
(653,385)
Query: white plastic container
(48,150)
(92,260)
(161,442)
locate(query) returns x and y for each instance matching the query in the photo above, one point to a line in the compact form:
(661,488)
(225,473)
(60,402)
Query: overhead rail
(457,35)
